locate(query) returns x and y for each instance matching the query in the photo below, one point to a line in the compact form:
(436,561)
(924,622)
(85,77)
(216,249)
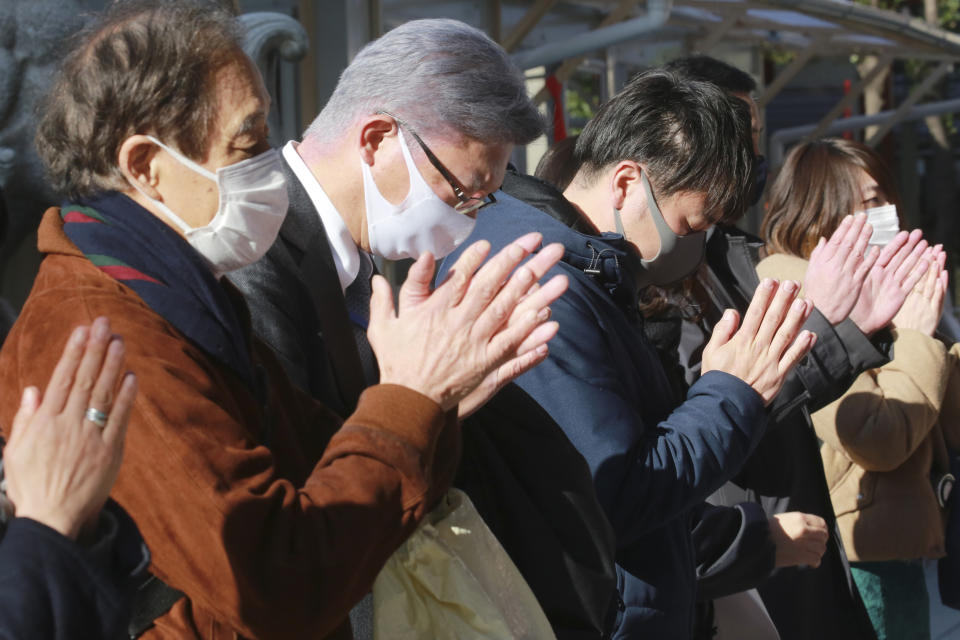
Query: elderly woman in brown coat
(887,436)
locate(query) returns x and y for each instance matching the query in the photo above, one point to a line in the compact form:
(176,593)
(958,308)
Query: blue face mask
(678,257)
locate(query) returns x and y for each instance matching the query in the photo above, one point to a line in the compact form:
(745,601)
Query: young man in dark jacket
(664,159)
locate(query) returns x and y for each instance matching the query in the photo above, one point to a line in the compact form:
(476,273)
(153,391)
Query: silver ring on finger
(97,417)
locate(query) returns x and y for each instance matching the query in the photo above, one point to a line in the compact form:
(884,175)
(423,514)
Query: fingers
(839,237)
(782,302)
(505,344)
(869,260)
(29,403)
(454,286)
(101,398)
(818,250)
(915,275)
(518,366)
(758,306)
(538,338)
(788,330)
(116,430)
(519,296)
(859,242)
(89,369)
(416,288)
(798,350)
(489,280)
(58,389)
(723,331)
(530,241)
(914,245)
(894,246)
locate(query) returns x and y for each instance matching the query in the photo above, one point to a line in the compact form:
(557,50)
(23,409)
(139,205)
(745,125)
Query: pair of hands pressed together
(901,283)
(842,281)
(462,342)
(59,466)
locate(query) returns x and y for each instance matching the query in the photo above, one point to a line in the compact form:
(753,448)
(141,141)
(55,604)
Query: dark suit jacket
(286,306)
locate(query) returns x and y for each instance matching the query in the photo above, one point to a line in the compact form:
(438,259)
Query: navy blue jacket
(52,588)
(653,459)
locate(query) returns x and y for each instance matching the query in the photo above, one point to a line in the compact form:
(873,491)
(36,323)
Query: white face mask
(253,205)
(422,222)
(885,223)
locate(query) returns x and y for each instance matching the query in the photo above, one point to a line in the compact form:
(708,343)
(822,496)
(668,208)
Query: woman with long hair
(888,434)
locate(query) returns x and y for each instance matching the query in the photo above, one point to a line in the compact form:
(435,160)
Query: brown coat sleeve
(887,412)
(272,542)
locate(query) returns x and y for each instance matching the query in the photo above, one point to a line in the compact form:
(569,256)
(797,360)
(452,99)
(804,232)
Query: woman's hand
(898,268)
(838,268)
(60,465)
(924,304)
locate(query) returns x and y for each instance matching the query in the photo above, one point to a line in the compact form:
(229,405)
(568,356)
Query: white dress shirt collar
(346,255)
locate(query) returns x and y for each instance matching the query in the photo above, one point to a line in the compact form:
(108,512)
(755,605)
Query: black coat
(52,588)
(785,472)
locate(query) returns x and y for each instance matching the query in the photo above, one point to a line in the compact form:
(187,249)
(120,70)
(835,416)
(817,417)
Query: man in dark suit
(410,147)
(436,82)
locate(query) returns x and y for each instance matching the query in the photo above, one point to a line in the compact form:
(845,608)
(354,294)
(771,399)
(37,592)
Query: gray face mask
(678,257)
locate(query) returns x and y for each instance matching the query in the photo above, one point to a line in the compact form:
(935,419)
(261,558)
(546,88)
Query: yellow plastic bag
(452,579)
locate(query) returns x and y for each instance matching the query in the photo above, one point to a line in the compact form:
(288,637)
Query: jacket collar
(606,258)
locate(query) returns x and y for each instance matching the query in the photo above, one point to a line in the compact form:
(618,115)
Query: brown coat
(274,542)
(884,439)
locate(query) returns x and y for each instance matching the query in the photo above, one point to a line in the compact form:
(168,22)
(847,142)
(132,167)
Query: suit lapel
(303,230)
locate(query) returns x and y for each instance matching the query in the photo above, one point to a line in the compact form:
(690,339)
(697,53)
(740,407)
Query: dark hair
(557,166)
(691,135)
(707,69)
(142,67)
(817,186)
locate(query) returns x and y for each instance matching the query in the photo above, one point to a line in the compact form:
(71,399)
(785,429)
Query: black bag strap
(154,598)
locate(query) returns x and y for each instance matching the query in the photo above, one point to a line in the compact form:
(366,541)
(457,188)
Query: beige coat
(884,440)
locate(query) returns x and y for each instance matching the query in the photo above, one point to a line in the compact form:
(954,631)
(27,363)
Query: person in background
(648,183)
(267,514)
(69,558)
(557,165)
(784,475)
(886,437)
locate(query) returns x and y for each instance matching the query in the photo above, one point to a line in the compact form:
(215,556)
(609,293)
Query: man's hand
(59,465)
(838,268)
(924,304)
(474,325)
(800,539)
(897,270)
(764,350)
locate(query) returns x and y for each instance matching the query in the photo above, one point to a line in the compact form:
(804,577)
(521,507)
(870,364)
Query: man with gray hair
(364,182)
(408,150)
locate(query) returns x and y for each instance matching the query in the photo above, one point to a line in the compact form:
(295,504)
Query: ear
(625,181)
(373,130)
(137,160)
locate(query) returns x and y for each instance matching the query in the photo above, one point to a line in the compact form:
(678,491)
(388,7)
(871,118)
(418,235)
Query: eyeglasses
(467,204)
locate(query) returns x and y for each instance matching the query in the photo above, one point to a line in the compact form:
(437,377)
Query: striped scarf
(134,247)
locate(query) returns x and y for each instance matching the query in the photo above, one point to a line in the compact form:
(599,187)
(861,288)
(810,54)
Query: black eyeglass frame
(467,204)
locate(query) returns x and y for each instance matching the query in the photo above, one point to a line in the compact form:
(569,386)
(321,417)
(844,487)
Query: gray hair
(441,76)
